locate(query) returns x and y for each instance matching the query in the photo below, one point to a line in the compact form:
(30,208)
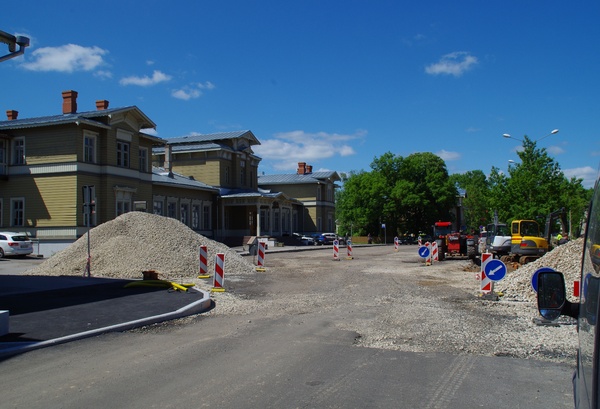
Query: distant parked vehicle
(303,239)
(15,244)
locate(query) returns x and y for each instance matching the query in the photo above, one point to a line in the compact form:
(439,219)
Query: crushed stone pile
(565,258)
(137,241)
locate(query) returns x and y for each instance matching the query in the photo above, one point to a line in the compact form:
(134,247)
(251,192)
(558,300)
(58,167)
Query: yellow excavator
(527,242)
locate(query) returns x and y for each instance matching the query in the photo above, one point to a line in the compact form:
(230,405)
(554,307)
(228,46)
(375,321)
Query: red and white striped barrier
(260,261)
(336,250)
(428,259)
(486,283)
(420,241)
(434,251)
(203,273)
(219,273)
(395,243)
(349,249)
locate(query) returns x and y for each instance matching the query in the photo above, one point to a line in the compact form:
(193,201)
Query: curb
(197,307)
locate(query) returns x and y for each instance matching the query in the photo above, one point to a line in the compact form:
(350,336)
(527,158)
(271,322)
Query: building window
(3,158)
(143,160)
(158,207)
(226,174)
(17,212)
(184,213)
(172,209)
(196,217)
(1,213)
(242,173)
(264,221)
(318,192)
(330,193)
(89,147)
(276,221)
(123,201)
(206,224)
(319,224)
(123,154)
(18,151)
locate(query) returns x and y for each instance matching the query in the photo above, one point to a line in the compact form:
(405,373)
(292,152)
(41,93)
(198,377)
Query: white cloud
(555,150)
(192,91)
(145,81)
(103,74)
(66,58)
(289,148)
(447,155)
(587,173)
(456,63)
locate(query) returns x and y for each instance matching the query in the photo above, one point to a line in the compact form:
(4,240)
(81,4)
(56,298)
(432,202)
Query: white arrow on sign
(491,273)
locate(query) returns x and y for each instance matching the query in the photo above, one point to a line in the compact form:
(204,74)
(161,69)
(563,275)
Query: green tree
(535,188)
(407,194)
(475,204)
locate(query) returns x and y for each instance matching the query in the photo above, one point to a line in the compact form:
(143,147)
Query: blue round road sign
(535,276)
(495,270)
(423,251)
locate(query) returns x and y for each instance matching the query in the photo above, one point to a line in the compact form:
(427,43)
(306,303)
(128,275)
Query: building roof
(296,179)
(163,177)
(192,147)
(88,117)
(195,138)
(226,193)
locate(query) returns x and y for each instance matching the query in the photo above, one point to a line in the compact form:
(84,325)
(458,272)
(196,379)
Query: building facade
(315,190)
(48,163)
(227,162)
(105,159)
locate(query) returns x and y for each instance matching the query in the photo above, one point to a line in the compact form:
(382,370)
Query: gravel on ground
(390,298)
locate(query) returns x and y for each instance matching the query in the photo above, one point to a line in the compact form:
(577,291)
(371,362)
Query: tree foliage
(406,194)
(410,193)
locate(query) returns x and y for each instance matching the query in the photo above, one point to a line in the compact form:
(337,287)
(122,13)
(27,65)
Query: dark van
(552,302)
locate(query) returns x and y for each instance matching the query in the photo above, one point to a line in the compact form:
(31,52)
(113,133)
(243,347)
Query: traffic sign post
(495,269)
(425,253)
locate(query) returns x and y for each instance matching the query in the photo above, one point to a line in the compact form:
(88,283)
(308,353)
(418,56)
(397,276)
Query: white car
(15,244)
(305,240)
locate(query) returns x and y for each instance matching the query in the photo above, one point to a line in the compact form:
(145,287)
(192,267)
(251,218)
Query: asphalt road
(300,360)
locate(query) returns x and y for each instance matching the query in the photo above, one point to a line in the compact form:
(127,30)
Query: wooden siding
(50,145)
(210,172)
(49,200)
(303,192)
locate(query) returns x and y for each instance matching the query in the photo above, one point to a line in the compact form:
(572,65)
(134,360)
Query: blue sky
(331,83)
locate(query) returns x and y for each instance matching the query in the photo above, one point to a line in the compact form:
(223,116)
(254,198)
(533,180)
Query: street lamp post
(506,135)
(12,42)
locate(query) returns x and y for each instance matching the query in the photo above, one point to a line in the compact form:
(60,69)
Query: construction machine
(453,244)
(498,240)
(527,242)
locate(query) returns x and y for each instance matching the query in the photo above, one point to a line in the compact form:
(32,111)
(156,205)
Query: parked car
(15,244)
(303,239)
(322,239)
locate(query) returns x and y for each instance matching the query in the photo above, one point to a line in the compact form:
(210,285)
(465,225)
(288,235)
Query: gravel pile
(136,242)
(565,258)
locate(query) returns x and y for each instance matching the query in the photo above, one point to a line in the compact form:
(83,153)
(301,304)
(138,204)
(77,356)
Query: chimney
(69,102)
(308,168)
(101,104)
(168,161)
(11,114)
(301,168)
